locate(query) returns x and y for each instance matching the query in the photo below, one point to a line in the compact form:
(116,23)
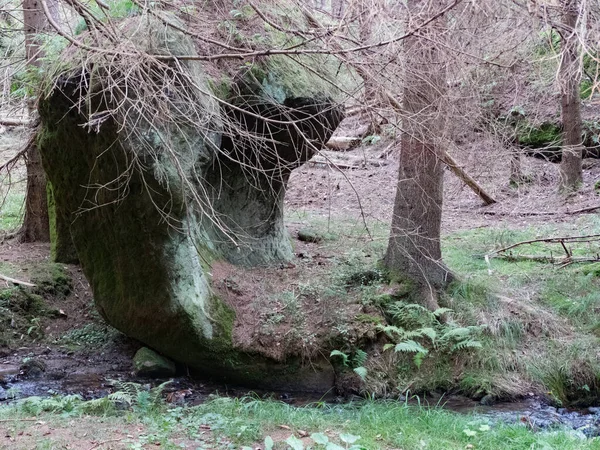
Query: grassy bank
(222,423)
(516,326)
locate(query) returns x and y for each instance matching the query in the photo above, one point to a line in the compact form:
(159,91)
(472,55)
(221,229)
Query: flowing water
(64,374)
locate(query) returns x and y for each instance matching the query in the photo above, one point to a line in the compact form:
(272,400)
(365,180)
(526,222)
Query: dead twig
(11,162)
(21,153)
(561,261)
(557,240)
(517,213)
(7,122)
(584,210)
(15,281)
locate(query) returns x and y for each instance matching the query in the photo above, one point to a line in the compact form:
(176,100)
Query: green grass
(11,207)
(241,423)
(91,336)
(573,291)
(540,322)
(543,321)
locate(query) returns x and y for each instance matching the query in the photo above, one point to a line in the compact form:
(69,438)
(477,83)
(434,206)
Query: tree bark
(414,247)
(36,225)
(569,75)
(364,73)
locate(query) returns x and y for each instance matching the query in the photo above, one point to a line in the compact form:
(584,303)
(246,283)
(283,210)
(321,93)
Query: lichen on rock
(158,178)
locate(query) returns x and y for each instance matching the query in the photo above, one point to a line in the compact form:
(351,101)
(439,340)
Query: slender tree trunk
(414,246)
(338,8)
(367,11)
(516,174)
(36,225)
(569,75)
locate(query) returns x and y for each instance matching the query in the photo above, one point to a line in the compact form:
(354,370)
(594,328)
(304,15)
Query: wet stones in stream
(33,368)
(540,417)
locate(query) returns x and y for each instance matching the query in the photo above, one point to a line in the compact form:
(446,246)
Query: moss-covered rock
(158,179)
(544,140)
(148,363)
(51,279)
(308,235)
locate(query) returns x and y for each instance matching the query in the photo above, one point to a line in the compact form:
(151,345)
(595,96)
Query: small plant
(140,398)
(419,331)
(321,440)
(35,329)
(90,335)
(60,404)
(371,139)
(356,362)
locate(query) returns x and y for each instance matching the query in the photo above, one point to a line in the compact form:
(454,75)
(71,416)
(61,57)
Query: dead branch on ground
(556,240)
(561,261)
(15,281)
(343,143)
(11,122)
(558,260)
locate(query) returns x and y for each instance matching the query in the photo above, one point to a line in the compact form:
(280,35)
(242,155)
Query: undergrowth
(508,328)
(225,423)
(541,319)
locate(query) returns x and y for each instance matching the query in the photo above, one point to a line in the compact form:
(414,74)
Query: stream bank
(47,372)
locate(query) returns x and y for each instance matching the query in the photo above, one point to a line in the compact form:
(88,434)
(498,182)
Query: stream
(55,372)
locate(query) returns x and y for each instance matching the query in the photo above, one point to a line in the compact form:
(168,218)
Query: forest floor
(540,321)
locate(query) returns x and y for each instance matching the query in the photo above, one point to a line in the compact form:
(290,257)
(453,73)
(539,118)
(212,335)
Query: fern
(155,396)
(429,332)
(441,311)
(418,330)
(390,330)
(128,388)
(37,405)
(462,345)
(137,396)
(343,355)
(418,359)
(361,372)
(410,346)
(101,406)
(121,397)
(457,333)
(359,359)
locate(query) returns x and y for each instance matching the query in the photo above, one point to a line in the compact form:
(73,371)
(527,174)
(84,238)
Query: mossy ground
(24,309)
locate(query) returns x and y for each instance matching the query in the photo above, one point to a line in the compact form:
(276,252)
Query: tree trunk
(414,246)
(367,11)
(338,8)
(569,76)
(36,225)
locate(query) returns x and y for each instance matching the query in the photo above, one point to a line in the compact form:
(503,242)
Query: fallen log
(558,260)
(348,162)
(555,240)
(12,122)
(343,143)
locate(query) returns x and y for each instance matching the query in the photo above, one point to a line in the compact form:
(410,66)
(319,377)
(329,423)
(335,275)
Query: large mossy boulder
(160,174)
(544,140)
